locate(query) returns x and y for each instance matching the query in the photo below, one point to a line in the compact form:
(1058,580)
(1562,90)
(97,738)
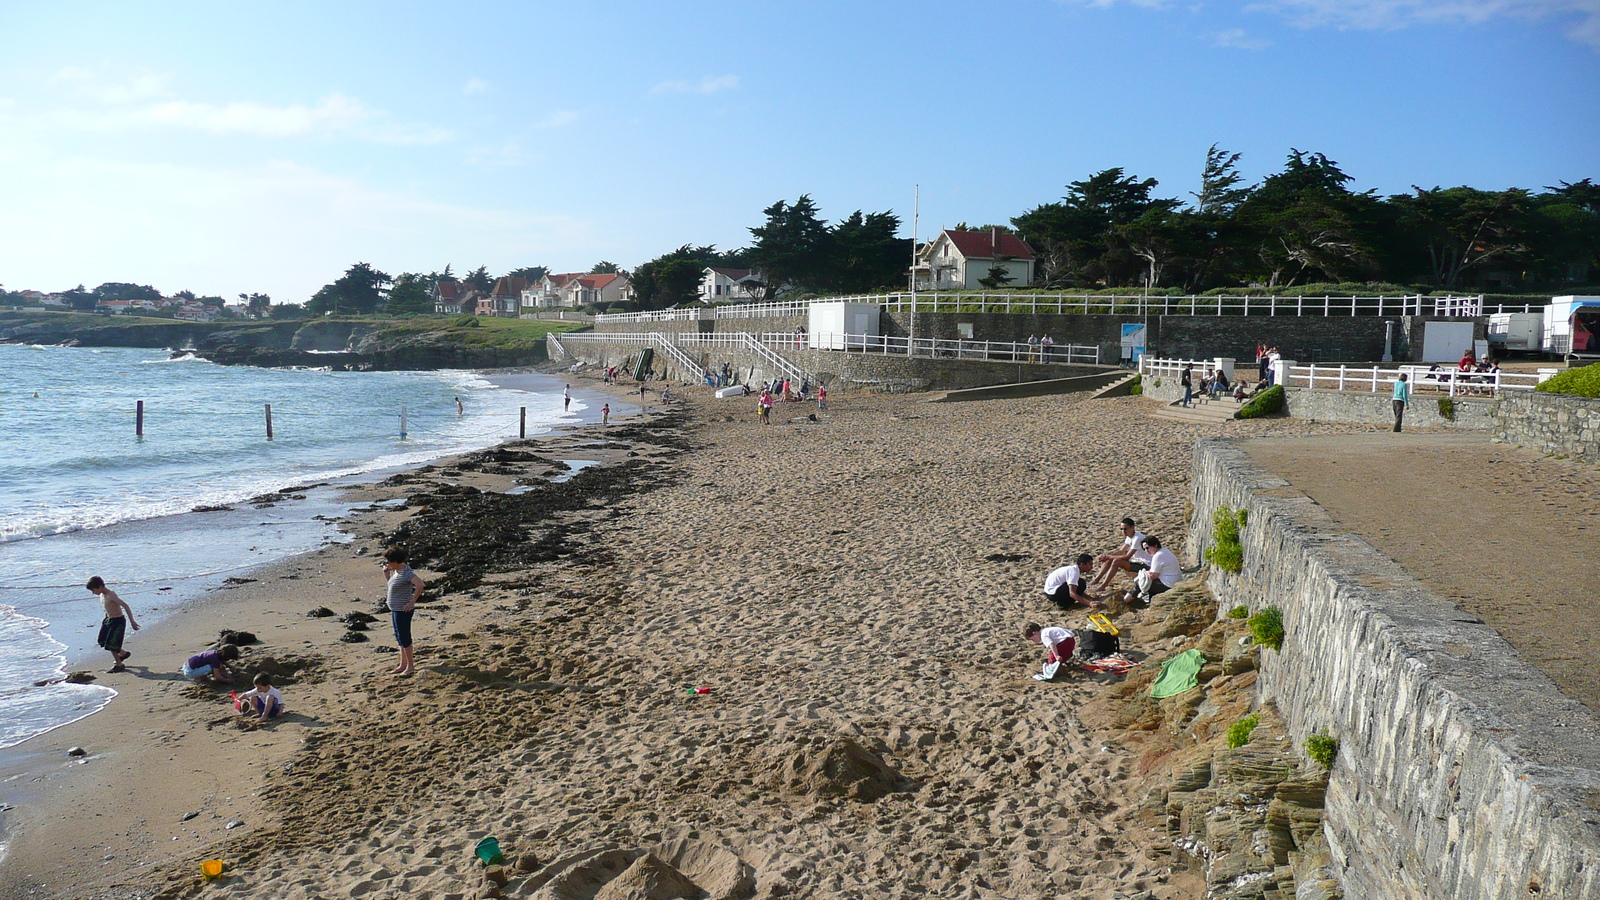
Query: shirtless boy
(118,616)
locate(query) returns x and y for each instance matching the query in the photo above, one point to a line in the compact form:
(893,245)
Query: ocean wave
(188,356)
(29,655)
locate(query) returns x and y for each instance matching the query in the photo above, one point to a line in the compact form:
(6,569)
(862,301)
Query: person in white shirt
(1058,642)
(1069,584)
(1163,573)
(1130,557)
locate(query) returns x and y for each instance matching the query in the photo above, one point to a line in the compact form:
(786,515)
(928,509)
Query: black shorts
(1135,566)
(1063,595)
(1156,587)
(111,633)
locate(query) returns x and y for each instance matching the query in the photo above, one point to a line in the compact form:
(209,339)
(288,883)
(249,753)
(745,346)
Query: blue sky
(225,148)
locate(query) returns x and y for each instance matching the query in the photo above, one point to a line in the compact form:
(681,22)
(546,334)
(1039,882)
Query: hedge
(1584,382)
(1267,403)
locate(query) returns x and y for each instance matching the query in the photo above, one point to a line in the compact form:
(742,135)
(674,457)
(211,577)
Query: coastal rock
(79,678)
(237,638)
(77,751)
(321,612)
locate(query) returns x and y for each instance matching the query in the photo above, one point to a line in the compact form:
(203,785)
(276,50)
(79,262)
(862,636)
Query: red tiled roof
(734,274)
(562,279)
(596,282)
(510,286)
(449,290)
(980,244)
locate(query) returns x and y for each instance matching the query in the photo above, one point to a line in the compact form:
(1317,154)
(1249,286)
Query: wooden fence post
(138,419)
(269,421)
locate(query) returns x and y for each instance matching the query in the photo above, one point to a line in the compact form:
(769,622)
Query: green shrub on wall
(1138,386)
(1227,551)
(1322,748)
(1584,382)
(1267,403)
(1266,628)
(1239,612)
(1239,732)
(1447,409)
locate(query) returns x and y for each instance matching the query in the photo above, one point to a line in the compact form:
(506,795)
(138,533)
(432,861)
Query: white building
(575,290)
(721,285)
(960,260)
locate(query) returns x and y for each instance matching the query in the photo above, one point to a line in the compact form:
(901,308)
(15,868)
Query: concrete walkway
(1510,535)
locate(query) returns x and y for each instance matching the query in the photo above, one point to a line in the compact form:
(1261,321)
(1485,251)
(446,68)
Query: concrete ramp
(1034,388)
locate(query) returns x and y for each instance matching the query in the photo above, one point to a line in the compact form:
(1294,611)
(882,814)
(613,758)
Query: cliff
(340,344)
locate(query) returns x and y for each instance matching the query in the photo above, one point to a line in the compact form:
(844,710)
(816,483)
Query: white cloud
(96,102)
(706,85)
(1238,39)
(559,119)
(475,86)
(1581,16)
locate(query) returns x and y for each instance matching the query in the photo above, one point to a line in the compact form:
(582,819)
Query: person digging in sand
(119,616)
(212,664)
(1058,646)
(404,589)
(1069,584)
(265,702)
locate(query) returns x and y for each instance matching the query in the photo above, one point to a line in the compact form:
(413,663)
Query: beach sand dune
(850,590)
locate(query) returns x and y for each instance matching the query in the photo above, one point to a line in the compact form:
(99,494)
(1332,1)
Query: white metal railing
(1151,367)
(693,314)
(670,350)
(1422,378)
(993,351)
(634,337)
(768,310)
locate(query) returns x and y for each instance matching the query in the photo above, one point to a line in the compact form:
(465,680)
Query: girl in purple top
(212,664)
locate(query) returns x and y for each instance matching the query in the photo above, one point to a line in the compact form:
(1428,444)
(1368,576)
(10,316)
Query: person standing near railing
(1187,380)
(1045,343)
(1033,348)
(1402,397)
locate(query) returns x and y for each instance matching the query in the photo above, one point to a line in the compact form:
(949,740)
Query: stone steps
(1203,412)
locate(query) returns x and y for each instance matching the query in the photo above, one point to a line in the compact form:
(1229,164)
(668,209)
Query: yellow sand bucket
(211,868)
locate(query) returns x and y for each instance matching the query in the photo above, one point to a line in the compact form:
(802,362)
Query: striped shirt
(401,590)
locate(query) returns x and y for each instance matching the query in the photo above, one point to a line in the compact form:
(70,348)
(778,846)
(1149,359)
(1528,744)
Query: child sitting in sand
(265,702)
(212,664)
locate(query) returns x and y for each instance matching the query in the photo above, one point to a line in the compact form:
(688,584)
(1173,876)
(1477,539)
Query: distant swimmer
(119,615)
(461,409)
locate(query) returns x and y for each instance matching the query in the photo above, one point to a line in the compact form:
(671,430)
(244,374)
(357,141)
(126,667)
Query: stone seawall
(1462,772)
(1377,409)
(1559,424)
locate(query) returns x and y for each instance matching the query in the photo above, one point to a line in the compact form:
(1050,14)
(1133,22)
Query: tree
(122,290)
(411,295)
(674,277)
(604,267)
(1220,193)
(1076,238)
(793,247)
(256,304)
(359,291)
(1565,231)
(80,299)
(998,277)
(480,278)
(1302,222)
(531,273)
(1463,228)
(867,253)
(287,311)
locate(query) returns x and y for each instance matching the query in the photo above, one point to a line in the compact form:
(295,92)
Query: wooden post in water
(522,425)
(402,422)
(138,419)
(269,421)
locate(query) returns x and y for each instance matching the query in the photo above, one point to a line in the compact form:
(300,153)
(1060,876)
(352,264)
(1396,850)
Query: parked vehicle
(1515,333)
(1572,328)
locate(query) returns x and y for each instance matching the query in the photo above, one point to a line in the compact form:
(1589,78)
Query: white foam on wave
(188,356)
(29,656)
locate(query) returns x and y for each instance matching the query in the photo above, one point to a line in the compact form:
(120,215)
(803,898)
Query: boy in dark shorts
(119,616)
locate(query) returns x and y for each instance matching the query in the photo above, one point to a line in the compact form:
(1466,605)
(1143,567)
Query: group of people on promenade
(1085,581)
(1039,348)
(216,664)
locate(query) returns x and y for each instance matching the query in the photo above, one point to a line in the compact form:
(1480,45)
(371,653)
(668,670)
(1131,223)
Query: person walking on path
(404,589)
(1402,397)
(566,398)
(119,616)
(1187,380)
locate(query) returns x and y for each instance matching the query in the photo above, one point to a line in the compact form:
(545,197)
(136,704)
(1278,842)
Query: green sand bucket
(488,850)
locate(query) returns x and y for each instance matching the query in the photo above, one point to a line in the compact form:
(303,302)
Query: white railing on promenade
(641,337)
(992,351)
(1328,305)
(1365,379)
(1422,378)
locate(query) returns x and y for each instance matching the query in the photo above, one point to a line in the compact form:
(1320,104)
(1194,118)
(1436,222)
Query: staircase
(775,359)
(1204,411)
(690,369)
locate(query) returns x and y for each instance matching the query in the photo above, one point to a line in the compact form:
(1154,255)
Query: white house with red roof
(724,285)
(959,260)
(575,290)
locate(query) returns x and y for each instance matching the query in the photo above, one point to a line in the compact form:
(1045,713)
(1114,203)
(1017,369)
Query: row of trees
(1305,224)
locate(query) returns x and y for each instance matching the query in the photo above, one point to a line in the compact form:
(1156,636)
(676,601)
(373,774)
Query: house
(505,298)
(118,307)
(959,260)
(192,311)
(575,290)
(53,301)
(722,285)
(454,298)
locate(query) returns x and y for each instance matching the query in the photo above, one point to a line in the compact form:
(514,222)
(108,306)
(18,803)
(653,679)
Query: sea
(82,494)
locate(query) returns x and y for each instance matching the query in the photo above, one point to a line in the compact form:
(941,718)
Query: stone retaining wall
(1377,408)
(1462,772)
(1559,424)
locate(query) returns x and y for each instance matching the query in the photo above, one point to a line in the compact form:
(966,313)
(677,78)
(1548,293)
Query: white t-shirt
(1165,566)
(1066,575)
(1054,635)
(1137,543)
(270,694)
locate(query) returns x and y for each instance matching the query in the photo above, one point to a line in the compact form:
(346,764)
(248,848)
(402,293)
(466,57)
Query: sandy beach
(850,590)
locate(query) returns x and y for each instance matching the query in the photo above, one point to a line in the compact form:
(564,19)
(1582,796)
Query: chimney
(994,235)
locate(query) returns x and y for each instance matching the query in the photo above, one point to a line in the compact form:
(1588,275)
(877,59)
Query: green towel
(1178,674)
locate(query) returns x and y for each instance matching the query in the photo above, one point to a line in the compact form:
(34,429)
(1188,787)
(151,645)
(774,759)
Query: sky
(228,148)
